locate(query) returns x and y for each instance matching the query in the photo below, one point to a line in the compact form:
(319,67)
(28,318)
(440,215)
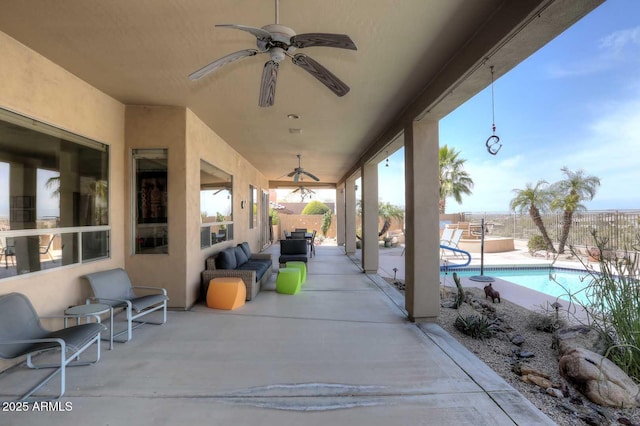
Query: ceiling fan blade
(311,176)
(296,177)
(296,190)
(323,75)
(292,173)
(222,61)
(268,84)
(341,41)
(259,33)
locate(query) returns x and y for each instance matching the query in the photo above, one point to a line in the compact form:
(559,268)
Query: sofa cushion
(226,259)
(241,258)
(246,249)
(256,265)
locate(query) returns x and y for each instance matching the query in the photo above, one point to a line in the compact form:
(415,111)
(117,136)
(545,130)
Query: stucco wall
(32,85)
(160,127)
(204,144)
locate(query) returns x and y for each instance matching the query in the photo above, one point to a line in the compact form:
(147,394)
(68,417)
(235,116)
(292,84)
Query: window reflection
(216,205)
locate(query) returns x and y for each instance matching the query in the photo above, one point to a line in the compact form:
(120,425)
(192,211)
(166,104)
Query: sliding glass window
(54,198)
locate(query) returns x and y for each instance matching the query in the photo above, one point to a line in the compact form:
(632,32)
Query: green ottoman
(302,266)
(288,281)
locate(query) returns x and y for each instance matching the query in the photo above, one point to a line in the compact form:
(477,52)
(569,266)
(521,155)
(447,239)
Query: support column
(370,218)
(422,265)
(340,215)
(350,216)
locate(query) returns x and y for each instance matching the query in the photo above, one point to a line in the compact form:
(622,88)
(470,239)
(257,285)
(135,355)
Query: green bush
(274,217)
(316,207)
(536,242)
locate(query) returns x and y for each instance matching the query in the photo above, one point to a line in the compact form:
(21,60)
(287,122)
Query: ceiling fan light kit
(280,42)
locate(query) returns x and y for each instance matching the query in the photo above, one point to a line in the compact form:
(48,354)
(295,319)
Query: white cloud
(619,46)
(618,40)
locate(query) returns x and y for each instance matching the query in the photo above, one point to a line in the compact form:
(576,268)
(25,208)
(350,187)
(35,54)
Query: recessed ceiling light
(291,130)
(293,116)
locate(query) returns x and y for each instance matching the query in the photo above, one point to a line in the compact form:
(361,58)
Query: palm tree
(534,199)
(387,212)
(569,194)
(454,181)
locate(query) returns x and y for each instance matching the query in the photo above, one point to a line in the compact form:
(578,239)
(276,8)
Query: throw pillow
(226,259)
(246,248)
(241,258)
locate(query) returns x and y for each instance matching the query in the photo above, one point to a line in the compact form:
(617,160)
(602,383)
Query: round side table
(89,310)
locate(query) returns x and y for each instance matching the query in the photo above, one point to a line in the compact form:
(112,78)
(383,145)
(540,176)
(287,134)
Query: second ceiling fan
(280,42)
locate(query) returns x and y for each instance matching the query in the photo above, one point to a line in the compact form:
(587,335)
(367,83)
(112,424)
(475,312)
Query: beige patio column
(350,216)
(422,266)
(370,218)
(340,215)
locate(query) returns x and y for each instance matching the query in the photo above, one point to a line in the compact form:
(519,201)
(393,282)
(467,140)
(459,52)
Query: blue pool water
(545,280)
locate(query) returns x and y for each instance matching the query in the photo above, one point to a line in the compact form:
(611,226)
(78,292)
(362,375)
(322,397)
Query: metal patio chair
(113,287)
(21,333)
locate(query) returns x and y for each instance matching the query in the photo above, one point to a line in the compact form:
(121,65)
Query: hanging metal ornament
(493,142)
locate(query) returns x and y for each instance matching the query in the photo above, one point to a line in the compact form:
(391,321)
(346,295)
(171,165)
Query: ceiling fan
(299,171)
(280,41)
(304,192)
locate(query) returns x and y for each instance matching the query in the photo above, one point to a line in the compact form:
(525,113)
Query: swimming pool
(543,279)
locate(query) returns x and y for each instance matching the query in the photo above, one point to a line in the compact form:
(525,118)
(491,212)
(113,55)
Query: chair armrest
(96,316)
(158,289)
(100,299)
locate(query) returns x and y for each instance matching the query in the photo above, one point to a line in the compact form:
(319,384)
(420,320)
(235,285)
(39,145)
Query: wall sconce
(243,204)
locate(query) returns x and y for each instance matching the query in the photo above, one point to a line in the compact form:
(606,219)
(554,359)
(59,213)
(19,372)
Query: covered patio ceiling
(415,58)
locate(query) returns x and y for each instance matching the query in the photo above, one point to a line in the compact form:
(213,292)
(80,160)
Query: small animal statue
(490,292)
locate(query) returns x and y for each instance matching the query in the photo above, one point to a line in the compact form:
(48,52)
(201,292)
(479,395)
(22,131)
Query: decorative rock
(517,340)
(554,392)
(524,370)
(579,336)
(525,354)
(603,382)
(537,380)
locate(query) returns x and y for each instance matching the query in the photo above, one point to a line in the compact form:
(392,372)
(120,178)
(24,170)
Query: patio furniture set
(22,333)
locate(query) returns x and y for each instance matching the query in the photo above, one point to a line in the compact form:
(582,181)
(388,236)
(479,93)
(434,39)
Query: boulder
(599,379)
(580,336)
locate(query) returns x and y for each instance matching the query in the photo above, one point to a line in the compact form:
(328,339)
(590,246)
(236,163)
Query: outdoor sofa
(254,269)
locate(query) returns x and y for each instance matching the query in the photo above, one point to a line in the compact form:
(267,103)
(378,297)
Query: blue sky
(574,103)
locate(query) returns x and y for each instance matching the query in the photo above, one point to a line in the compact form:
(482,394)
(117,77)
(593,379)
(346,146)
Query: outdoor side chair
(21,333)
(113,287)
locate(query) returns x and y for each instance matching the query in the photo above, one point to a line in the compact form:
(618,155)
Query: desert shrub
(536,243)
(316,207)
(326,222)
(476,326)
(613,303)
(545,320)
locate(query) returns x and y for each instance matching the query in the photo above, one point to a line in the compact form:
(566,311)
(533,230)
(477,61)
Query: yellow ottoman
(302,266)
(226,293)
(288,281)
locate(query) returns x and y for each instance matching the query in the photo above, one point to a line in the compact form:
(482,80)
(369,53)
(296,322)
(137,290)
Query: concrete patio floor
(340,352)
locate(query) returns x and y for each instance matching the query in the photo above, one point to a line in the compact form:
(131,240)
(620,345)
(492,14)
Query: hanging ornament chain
(493,142)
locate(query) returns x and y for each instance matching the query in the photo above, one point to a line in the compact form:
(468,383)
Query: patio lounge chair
(21,333)
(113,287)
(453,242)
